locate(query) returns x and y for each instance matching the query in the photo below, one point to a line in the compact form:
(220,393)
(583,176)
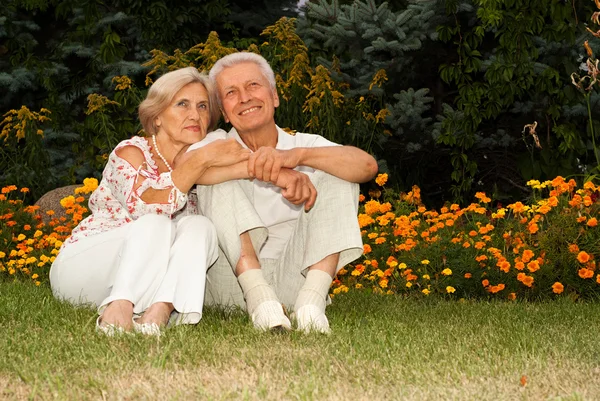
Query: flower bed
(545,249)
(542,249)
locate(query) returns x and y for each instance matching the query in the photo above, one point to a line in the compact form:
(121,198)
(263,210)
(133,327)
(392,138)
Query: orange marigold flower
(598,278)
(519,265)
(527,255)
(512,296)
(468,275)
(380,240)
(361,198)
(593,222)
(472,233)
(504,265)
(485,282)
(533,227)
(533,266)
(386,207)
(496,288)
(576,201)
(585,273)
(583,257)
(481,258)
(558,181)
(517,207)
(466,244)
(558,288)
(482,197)
(589,186)
(381,179)
(528,281)
(366,248)
(372,207)
(364,220)
(573,248)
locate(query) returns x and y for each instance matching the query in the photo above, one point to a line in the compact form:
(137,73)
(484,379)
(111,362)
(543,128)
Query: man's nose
(245,96)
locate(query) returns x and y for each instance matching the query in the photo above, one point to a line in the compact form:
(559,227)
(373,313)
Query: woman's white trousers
(152,259)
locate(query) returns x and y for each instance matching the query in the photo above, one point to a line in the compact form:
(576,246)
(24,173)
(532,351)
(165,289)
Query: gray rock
(51,201)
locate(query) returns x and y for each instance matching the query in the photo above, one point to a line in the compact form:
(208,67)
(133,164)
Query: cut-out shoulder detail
(144,145)
(117,201)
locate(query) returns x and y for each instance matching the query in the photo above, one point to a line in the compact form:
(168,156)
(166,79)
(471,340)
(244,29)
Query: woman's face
(187,117)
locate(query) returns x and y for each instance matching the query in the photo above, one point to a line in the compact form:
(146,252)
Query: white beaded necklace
(160,154)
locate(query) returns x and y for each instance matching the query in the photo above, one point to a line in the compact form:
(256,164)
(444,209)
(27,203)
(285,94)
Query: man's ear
(275,98)
(224,115)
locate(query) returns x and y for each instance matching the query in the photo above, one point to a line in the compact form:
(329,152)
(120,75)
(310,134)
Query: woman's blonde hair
(165,88)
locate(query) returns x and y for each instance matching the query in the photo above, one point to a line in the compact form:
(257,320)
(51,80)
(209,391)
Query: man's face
(247,98)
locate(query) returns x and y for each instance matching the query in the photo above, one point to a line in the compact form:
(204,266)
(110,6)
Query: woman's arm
(183,177)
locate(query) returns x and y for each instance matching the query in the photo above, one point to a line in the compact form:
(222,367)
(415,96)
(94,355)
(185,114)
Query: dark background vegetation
(464,77)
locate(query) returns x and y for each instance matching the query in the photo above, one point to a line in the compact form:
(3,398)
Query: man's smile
(250,110)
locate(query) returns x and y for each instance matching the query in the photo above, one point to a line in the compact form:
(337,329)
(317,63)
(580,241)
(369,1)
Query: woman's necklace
(160,154)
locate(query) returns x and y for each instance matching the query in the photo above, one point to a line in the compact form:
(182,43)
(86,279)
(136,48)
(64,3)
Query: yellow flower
(425,291)
(408,284)
(402,265)
(34,276)
(450,289)
(447,272)
(426,277)
(21,237)
(2,254)
(425,262)
(381,179)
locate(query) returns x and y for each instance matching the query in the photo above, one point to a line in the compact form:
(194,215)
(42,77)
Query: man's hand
(297,188)
(266,163)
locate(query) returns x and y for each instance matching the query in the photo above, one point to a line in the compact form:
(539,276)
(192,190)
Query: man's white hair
(243,57)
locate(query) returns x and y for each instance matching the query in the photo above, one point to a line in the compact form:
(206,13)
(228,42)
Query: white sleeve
(210,137)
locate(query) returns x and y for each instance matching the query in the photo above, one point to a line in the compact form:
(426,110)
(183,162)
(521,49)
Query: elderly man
(286,219)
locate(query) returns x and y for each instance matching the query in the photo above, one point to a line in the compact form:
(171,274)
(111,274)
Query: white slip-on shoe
(269,315)
(310,318)
(109,330)
(147,329)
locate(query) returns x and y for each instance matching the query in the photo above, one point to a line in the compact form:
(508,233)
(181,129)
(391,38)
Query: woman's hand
(297,188)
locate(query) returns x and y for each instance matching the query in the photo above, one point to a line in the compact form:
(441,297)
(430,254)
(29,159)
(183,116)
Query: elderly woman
(141,256)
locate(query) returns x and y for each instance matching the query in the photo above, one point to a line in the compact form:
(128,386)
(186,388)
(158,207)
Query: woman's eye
(203,106)
(182,103)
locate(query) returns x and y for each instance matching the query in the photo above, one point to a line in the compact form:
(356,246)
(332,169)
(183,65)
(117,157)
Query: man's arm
(345,162)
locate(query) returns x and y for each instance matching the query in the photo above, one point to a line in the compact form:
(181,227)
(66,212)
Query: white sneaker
(312,319)
(269,315)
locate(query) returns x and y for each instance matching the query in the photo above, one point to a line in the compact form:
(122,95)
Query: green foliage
(377,49)
(512,63)
(54,54)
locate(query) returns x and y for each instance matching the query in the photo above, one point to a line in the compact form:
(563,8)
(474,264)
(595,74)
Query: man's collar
(283,138)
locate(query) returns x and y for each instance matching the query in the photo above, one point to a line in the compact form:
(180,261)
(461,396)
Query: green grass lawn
(382,347)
